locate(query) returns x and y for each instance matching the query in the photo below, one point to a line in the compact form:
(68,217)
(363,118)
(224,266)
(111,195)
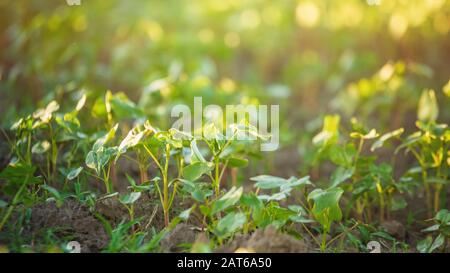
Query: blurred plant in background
(337,69)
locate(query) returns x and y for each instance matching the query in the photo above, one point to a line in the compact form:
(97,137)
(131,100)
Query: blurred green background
(365,59)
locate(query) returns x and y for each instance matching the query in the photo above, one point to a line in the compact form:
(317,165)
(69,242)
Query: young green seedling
(159,147)
(430,147)
(99,158)
(442,227)
(326,209)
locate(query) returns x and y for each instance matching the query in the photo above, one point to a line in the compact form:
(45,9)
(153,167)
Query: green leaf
(45,114)
(53,191)
(123,107)
(268,181)
(257,207)
(398,204)
(230,223)
(98,159)
(443,216)
(107,196)
(180,135)
(384,235)
(246,131)
(99,108)
(74,173)
(340,175)
(132,139)
(18,172)
(197,154)
(370,135)
(211,132)
(195,170)
(300,219)
(326,206)
(276,196)
(380,142)
(3,204)
(297,209)
(197,190)
(235,162)
(446,89)
(428,109)
(91,160)
(424,245)
(437,243)
(106,138)
(330,131)
(251,200)
(295,182)
(431,229)
(81,103)
(130,198)
(184,215)
(300,215)
(342,156)
(437,180)
(410,141)
(69,122)
(41,147)
(228,200)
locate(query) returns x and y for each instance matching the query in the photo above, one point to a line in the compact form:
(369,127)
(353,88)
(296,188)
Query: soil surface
(267,240)
(72,220)
(145,209)
(5,155)
(181,234)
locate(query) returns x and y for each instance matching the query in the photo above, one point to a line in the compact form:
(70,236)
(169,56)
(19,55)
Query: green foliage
(227,200)
(326,208)
(195,170)
(442,228)
(347,113)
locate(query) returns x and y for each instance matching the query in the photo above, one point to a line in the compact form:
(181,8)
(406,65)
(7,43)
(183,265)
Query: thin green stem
(14,202)
(166,187)
(216,177)
(323,245)
(154,158)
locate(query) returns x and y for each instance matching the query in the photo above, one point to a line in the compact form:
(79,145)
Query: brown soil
(5,155)
(71,219)
(76,221)
(267,240)
(145,209)
(181,234)
(394,228)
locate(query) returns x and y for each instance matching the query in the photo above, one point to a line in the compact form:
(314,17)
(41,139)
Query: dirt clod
(267,240)
(181,234)
(394,228)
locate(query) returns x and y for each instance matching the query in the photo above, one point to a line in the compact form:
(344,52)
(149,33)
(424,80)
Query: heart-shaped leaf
(74,173)
(130,198)
(195,170)
(228,200)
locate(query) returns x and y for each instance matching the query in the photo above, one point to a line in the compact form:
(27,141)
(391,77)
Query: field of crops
(225,126)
